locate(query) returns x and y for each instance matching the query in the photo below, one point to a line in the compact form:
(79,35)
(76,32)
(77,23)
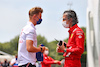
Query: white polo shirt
(14,61)
(27,33)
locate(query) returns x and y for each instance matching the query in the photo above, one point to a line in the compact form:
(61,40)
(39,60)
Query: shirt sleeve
(31,35)
(48,62)
(12,61)
(79,39)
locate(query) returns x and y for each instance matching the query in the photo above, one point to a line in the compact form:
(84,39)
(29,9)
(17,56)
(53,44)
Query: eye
(64,19)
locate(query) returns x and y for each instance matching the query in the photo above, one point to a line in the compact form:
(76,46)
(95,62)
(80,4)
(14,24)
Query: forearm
(48,62)
(33,49)
(12,64)
(30,47)
(76,50)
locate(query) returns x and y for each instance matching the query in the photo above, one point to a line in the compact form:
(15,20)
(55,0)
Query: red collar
(72,28)
(45,55)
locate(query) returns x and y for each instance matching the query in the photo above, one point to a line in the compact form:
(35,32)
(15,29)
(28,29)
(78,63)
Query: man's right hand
(62,47)
(42,49)
(56,61)
(59,50)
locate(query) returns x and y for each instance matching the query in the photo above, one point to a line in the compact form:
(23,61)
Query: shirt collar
(45,55)
(72,28)
(31,24)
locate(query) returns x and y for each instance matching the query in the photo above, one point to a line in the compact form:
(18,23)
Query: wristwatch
(41,48)
(65,50)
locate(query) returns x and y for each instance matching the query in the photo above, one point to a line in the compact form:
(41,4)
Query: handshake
(57,62)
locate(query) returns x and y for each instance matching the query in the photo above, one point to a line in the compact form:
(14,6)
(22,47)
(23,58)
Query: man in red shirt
(47,60)
(75,45)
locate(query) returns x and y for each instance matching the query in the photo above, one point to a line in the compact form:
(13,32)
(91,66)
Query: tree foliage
(41,40)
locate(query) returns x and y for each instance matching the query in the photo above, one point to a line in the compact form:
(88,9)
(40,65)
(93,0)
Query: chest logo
(71,35)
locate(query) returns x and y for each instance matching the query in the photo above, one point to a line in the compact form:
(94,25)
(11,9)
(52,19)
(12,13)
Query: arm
(30,47)
(45,61)
(12,63)
(52,61)
(56,61)
(30,39)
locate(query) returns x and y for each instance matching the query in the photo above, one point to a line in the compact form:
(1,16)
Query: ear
(70,19)
(34,16)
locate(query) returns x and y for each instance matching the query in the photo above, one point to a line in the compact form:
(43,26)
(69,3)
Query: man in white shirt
(27,47)
(14,62)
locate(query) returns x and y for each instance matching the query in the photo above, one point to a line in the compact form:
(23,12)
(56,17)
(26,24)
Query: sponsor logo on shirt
(71,35)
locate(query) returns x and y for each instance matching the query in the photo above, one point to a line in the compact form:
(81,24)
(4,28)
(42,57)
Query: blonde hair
(35,10)
(46,48)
